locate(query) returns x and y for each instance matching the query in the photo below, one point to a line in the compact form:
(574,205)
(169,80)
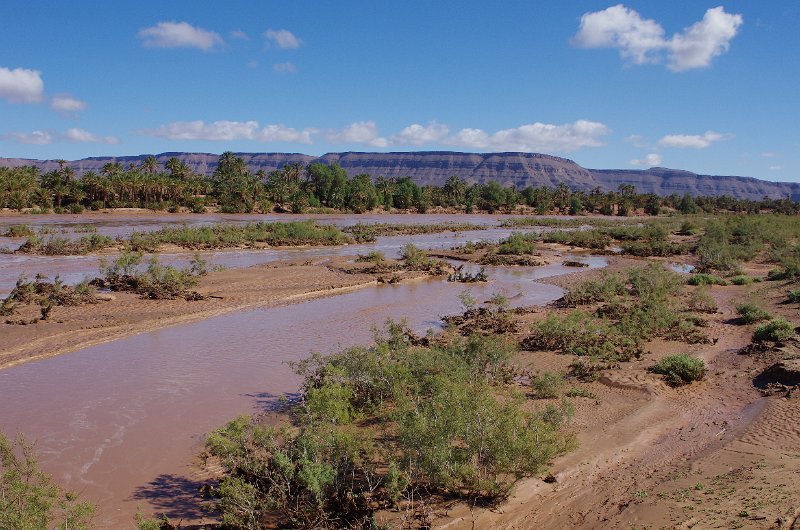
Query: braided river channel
(122,423)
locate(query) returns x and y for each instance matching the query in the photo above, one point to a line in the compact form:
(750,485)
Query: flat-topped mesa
(434,167)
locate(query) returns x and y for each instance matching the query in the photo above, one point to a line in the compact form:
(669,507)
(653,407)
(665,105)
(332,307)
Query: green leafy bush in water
(156,281)
(517,244)
(62,246)
(751,313)
(29,499)
(776,330)
(680,369)
(19,231)
(375,426)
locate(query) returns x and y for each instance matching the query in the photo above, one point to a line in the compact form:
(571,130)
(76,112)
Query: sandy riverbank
(715,454)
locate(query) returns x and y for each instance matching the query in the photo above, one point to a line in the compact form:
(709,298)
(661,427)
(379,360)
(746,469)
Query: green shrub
(19,231)
(577,391)
(751,313)
(700,300)
(706,279)
(794,296)
(605,288)
(517,244)
(776,330)
(30,499)
(372,257)
(741,280)
(547,385)
(680,369)
(376,425)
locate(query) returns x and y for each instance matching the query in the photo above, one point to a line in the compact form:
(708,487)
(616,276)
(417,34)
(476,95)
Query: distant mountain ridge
(434,167)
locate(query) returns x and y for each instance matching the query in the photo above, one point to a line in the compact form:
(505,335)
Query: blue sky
(693,85)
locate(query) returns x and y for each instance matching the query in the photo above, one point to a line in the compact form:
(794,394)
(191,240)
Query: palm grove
(318,187)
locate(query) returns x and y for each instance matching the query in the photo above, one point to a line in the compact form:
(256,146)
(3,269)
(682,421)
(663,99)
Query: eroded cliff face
(662,181)
(434,167)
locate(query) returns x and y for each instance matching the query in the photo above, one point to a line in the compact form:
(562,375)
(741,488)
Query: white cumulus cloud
(692,141)
(534,137)
(417,134)
(650,160)
(83,136)
(704,40)
(21,85)
(619,27)
(641,40)
(361,132)
(179,35)
(66,105)
(283,38)
(225,130)
(280,133)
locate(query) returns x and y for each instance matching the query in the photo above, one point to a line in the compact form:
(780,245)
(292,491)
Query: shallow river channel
(122,422)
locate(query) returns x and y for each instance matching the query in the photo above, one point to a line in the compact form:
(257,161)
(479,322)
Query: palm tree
(150,165)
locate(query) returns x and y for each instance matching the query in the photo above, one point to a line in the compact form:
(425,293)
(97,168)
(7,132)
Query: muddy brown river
(121,423)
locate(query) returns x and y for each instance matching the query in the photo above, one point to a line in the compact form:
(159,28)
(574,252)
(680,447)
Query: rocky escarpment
(434,167)
(662,181)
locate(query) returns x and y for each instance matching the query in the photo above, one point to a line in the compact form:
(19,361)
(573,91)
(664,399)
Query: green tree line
(234,188)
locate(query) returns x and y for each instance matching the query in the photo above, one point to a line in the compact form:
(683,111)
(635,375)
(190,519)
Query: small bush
(19,231)
(794,296)
(577,391)
(547,385)
(741,280)
(750,314)
(680,369)
(517,244)
(373,257)
(776,330)
(702,302)
(706,279)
